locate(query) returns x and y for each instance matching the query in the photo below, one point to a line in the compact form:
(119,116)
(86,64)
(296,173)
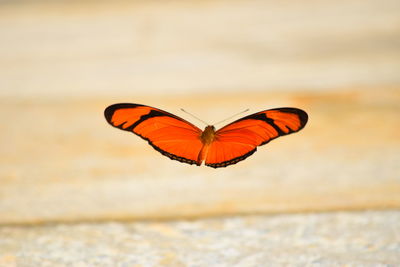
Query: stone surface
(325,239)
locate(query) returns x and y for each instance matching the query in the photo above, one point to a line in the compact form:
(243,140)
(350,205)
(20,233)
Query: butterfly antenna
(195,117)
(232,116)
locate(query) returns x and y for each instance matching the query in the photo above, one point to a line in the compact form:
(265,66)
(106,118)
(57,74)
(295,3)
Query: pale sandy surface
(331,239)
(153,47)
(68,164)
(61,64)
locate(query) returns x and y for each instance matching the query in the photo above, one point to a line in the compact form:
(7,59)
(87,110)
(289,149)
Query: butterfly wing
(170,135)
(239,139)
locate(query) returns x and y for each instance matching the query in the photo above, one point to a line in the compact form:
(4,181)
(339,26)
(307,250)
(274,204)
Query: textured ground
(326,239)
(76,192)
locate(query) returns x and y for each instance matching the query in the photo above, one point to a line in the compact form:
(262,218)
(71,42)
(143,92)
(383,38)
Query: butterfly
(180,140)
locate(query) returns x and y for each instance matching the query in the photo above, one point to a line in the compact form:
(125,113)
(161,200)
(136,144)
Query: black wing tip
(303,116)
(109,111)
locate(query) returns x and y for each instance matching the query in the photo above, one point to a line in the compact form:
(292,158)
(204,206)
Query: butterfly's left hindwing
(170,135)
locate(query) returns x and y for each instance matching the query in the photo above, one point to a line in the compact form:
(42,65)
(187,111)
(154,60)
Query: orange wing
(170,135)
(239,139)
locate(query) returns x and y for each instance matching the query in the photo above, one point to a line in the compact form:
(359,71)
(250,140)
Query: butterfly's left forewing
(239,139)
(170,135)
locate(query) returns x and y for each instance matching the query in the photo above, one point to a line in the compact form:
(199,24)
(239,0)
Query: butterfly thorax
(208,135)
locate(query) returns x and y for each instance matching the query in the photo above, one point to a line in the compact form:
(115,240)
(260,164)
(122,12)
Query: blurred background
(63,62)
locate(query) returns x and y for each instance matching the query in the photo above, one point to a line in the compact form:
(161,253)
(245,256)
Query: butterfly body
(208,135)
(180,140)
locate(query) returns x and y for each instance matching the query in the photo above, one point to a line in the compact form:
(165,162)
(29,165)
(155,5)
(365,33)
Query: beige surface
(67,177)
(123,49)
(62,64)
(63,162)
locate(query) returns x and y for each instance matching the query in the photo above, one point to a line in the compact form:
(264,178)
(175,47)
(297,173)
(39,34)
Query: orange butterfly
(180,140)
